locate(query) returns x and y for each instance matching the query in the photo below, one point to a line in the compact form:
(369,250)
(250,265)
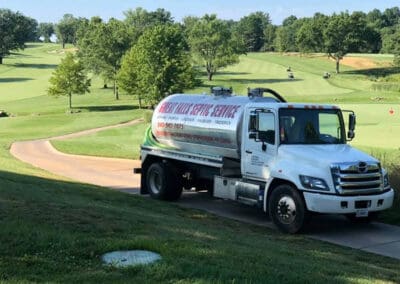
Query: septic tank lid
(130,258)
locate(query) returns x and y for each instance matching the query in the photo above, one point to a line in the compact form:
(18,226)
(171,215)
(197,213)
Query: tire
(163,182)
(362,220)
(287,209)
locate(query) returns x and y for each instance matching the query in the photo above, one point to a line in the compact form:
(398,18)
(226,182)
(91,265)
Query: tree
(285,40)
(212,44)
(158,65)
(15,30)
(375,19)
(46,30)
(69,78)
(101,47)
(140,19)
(396,46)
(67,28)
(389,39)
(344,34)
(251,29)
(391,16)
(309,37)
(269,38)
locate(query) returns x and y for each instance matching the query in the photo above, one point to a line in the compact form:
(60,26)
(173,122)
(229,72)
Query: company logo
(362,167)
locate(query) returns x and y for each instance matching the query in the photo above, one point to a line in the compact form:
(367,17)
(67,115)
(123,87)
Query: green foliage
(67,29)
(211,42)
(158,65)
(46,30)
(395,41)
(309,37)
(15,30)
(102,45)
(269,38)
(69,78)
(140,19)
(346,33)
(386,87)
(285,40)
(251,29)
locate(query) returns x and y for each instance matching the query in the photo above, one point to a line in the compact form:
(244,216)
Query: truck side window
(266,127)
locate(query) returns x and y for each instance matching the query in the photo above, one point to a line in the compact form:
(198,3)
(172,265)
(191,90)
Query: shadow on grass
(20,54)
(379,72)
(32,45)
(36,66)
(261,81)
(106,108)
(230,73)
(14,80)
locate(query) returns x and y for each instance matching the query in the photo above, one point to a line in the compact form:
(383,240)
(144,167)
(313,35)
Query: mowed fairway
(376,126)
(55,230)
(25,74)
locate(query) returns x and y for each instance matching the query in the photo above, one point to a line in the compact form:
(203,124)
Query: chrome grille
(357,178)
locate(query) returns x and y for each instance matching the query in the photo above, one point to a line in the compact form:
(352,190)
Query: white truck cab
(288,159)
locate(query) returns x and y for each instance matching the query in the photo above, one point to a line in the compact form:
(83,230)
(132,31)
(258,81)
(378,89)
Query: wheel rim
(155,181)
(286,210)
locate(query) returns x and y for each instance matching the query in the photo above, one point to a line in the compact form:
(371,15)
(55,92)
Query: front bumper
(324,203)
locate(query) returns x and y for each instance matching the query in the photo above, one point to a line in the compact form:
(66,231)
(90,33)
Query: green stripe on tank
(150,141)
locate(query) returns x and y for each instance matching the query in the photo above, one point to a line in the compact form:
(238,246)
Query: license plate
(362,213)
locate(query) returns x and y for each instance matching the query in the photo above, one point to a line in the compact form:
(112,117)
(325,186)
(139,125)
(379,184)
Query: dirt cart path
(108,172)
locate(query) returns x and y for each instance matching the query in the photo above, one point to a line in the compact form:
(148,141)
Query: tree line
(149,53)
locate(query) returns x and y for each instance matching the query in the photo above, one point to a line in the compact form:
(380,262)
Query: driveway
(117,174)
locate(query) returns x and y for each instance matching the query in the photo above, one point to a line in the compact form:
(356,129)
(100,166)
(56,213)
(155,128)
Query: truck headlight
(386,183)
(313,183)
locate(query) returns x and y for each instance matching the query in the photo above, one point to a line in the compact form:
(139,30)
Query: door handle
(249,152)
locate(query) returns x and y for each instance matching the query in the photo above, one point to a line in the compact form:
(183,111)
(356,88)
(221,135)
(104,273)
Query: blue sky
(53,10)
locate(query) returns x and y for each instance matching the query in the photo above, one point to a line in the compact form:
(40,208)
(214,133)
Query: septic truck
(289,159)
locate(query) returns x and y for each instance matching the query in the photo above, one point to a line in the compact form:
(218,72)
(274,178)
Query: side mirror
(352,126)
(267,136)
(253,135)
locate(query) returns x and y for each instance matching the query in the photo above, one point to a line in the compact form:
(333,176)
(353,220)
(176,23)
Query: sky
(53,10)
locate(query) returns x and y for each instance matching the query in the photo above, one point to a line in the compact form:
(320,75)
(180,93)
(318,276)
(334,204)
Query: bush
(386,87)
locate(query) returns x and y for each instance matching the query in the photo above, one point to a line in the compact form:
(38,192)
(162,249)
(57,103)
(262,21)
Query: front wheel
(163,183)
(287,209)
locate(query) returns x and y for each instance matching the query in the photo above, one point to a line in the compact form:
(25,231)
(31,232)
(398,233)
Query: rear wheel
(163,182)
(287,209)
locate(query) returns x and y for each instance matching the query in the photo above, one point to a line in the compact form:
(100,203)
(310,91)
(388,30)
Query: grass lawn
(124,142)
(55,230)
(23,73)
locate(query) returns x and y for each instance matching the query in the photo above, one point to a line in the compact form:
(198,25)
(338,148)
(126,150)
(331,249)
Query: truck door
(259,143)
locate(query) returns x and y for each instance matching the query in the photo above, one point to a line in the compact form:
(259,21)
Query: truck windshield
(311,126)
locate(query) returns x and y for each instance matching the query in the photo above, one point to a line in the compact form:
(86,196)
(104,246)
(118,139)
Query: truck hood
(323,155)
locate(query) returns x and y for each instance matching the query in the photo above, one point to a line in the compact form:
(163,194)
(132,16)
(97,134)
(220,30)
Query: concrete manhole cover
(130,258)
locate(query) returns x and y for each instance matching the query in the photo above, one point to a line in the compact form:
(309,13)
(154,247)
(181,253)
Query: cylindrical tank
(201,124)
